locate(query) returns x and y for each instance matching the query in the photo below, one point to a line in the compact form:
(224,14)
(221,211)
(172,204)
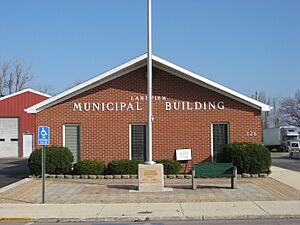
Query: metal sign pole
(43,139)
(43,173)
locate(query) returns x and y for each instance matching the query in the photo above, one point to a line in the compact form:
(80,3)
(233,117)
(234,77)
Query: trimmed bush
(58,161)
(170,166)
(248,157)
(122,167)
(89,167)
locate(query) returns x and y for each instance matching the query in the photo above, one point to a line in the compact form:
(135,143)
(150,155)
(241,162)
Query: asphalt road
(281,159)
(12,170)
(200,222)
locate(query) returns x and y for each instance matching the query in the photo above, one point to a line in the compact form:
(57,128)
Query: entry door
(220,138)
(27,145)
(138,142)
(72,139)
(9,137)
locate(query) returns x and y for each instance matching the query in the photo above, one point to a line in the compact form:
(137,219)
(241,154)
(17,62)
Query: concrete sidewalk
(88,191)
(150,211)
(285,176)
(199,209)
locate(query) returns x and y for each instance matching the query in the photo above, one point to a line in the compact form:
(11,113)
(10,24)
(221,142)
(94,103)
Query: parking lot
(12,170)
(281,159)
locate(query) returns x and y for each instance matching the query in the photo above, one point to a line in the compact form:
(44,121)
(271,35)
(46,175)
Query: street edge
(145,219)
(15,184)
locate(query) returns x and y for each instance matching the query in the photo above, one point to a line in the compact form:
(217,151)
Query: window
(138,142)
(72,139)
(220,138)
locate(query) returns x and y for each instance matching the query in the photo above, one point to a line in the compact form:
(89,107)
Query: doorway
(27,145)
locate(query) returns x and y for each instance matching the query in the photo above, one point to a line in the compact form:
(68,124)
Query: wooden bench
(214,170)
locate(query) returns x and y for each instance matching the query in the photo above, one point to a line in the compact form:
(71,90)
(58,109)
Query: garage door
(9,141)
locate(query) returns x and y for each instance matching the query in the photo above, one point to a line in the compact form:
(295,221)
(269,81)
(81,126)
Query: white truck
(282,138)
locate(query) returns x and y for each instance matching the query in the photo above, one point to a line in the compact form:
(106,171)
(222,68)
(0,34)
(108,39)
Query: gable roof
(23,91)
(138,63)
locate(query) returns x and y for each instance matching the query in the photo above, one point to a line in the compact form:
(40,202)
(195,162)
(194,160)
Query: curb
(158,218)
(15,219)
(6,188)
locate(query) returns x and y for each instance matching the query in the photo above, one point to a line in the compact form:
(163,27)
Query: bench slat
(213,170)
(205,170)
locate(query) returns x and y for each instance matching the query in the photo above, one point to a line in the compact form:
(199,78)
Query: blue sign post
(43,139)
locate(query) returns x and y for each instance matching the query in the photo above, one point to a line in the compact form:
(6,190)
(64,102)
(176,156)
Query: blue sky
(246,45)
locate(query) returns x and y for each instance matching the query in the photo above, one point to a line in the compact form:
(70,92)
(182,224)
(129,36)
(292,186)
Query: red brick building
(105,117)
(17,128)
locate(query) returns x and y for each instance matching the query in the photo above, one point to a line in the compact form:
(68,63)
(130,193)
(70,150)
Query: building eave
(140,62)
(24,91)
(202,81)
(91,83)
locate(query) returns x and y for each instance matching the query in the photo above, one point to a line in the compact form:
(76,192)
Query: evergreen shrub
(248,157)
(170,166)
(58,161)
(122,167)
(89,167)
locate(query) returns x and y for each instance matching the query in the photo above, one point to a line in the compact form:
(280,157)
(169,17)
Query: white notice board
(183,154)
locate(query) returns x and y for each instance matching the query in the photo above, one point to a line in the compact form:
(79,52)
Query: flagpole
(149,87)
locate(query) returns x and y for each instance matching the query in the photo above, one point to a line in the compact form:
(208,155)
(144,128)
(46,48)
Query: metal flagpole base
(149,163)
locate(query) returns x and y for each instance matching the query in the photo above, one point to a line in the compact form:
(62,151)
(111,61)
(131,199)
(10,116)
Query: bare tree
(14,77)
(275,115)
(261,96)
(22,76)
(290,110)
(4,70)
(47,89)
(272,118)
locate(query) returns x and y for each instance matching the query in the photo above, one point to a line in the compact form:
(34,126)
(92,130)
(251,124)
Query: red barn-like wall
(12,106)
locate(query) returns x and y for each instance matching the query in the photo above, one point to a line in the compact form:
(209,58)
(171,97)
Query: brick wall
(105,134)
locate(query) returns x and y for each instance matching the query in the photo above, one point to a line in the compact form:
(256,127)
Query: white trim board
(23,91)
(138,63)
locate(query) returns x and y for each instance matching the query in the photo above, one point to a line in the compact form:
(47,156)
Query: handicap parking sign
(43,135)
